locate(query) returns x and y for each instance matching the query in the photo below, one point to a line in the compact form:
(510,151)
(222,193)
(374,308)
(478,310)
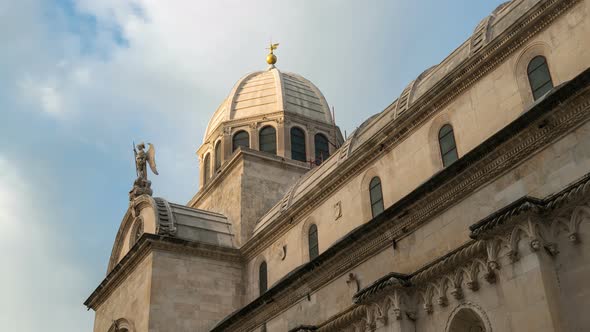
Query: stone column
(287,139)
(253,131)
(311,131)
(226,145)
(281,138)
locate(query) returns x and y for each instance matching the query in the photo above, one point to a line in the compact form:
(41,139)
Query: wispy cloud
(43,95)
(41,283)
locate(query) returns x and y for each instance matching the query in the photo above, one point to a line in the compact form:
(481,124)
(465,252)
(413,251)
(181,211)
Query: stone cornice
(237,156)
(557,114)
(473,252)
(265,117)
(526,204)
(145,246)
(345,320)
(500,226)
(422,109)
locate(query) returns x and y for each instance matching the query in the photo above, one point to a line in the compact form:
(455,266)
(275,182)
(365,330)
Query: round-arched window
(268,140)
(312,240)
(376,196)
(448,147)
(539,76)
(298,151)
(217,155)
(322,148)
(466,320)
(240,139)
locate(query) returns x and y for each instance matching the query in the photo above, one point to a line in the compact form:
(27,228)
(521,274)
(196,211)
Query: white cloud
(44,94)
(41,285)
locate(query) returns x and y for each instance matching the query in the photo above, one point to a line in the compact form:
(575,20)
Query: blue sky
(81,79)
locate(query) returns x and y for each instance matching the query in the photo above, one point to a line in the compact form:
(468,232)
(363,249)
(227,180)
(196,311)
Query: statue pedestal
(140,187)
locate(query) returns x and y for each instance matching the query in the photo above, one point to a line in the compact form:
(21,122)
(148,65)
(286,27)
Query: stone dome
(270,92)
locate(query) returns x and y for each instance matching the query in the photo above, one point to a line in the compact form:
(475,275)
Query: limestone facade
(496,240)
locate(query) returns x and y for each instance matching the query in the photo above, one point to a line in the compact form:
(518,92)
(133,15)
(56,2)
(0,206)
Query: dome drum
(274,99)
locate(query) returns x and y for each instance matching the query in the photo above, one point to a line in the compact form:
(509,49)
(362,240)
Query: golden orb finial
(271,59)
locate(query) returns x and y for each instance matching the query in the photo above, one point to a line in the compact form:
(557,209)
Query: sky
(80,80)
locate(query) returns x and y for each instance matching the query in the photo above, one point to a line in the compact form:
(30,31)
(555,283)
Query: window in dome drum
(298,144)
(240,139)
(322,149)
(268,140)
(217,155)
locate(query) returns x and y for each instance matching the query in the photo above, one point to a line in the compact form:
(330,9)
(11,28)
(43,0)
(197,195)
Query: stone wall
(129,300)
(191,293)
(248,189)
(490,104)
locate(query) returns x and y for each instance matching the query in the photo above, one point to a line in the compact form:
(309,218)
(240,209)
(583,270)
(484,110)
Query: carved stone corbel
(353,281)
(428,308)
(457,293)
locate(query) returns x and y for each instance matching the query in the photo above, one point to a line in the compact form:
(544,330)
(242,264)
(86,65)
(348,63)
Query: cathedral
(463,206)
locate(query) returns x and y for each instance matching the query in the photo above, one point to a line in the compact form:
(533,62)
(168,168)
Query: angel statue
(141,158)
(142,185)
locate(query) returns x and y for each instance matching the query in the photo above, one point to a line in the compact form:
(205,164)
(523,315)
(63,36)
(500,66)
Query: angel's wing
(151,158)
(274,46)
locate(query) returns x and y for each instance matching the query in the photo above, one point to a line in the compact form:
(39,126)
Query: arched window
(298,144)
(312,239)
(376,195)
(448,148)
(322,149)
(466,320)
(206,166)
(539,77)
(268,140)
(217,155)
(241,139)
(262,278)
(121,325)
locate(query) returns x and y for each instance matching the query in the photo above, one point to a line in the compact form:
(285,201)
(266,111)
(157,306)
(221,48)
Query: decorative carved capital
(535,244)
(551,249)
(490,276)
(352,280)
(513,255)
(473,285)
(428,308)
(573,238)
(493,265)
(457,293)
(411,315)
